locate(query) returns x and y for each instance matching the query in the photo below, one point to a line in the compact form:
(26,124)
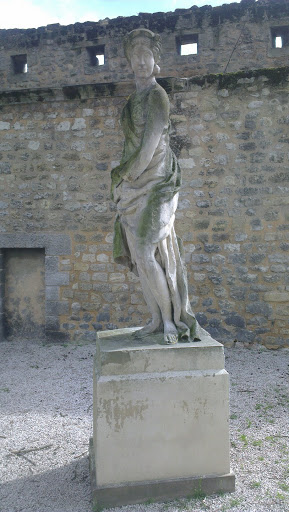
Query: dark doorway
(24,293)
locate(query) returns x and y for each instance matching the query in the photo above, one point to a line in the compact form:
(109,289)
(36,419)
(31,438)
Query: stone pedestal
(160,418)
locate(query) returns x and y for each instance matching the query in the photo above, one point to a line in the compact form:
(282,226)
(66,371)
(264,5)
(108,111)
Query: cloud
(33,14)
(23,14)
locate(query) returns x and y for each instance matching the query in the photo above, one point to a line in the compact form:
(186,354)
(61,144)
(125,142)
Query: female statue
(145,188)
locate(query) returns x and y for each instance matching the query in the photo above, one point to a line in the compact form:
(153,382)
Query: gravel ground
(46,422)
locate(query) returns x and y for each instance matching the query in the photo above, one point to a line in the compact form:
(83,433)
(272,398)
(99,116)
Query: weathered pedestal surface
(160,418)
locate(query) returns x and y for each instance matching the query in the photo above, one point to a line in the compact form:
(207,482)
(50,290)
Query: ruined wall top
(231,37)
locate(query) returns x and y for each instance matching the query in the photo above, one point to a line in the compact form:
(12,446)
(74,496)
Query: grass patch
(249,423)
(244,439)
(257,442)
(280,496)
(97,508)
(197,494)
(255,485)
(272,439)
(235,502)
(150,501)
(284,487)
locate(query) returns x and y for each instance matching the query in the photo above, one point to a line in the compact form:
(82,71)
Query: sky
(39,13)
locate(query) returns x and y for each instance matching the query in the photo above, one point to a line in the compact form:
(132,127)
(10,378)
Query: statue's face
(142,61)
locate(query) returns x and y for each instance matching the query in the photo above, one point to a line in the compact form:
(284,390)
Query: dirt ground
(46,423)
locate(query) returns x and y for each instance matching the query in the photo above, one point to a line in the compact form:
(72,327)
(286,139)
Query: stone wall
(230,133)
(230,38)
(60,137)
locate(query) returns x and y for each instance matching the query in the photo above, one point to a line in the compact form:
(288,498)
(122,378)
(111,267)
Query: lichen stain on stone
(117,411)
(275,76)
(185,406)
(71,92)
(120,358)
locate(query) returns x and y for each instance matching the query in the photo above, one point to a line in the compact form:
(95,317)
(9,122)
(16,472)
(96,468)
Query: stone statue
(145,189)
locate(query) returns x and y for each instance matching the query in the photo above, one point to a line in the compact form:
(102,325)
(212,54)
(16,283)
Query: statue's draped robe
(146,206)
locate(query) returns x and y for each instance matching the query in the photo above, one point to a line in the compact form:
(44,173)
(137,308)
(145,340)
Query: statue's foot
(170,333)
(170,339)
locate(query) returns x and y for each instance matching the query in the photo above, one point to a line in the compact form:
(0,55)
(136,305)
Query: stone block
(52,323)
(51,263)
(210,248)
(4,125)
(259,308)
(160,418)
(58,245)
(5,168)
(53,244)
(79,124)
(64,126)
(56,308)
(57,278)
(56,336)
(276,296)
(52,292)
(99,276)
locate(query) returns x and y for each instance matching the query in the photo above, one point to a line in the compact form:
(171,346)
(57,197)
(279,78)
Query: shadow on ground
(63,489)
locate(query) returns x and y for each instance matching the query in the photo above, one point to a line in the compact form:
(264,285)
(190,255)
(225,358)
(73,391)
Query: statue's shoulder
(158,96)
(158,90)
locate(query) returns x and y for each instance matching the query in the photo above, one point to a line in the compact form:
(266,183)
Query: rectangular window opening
(278,42)
(189,49)
(20,63)
(96,55)
(280,37)
(100,59)
(187,44)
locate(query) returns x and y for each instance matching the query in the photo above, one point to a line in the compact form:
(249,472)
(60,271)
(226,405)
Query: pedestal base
(158,490)
(160,419)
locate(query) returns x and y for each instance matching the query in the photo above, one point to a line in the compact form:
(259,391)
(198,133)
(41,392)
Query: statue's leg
(156,324)
(153,278)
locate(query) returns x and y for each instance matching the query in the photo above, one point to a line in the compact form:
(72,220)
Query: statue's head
(143,38)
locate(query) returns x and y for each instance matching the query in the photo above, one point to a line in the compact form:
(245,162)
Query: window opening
(187,44)
(96,55)
(20,63)
(278,42)
(280,37)
(100,59)
(189,49)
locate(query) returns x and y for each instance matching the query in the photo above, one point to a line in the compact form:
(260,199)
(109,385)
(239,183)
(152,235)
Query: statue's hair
(153,42)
